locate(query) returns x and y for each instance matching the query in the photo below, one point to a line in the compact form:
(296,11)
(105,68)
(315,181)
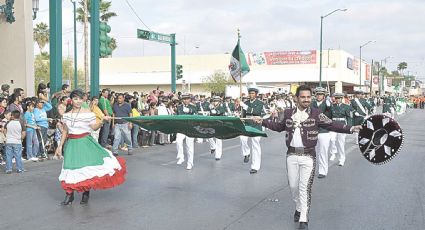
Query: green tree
(401,67)
(217,82)
(42,70)
(105,15)
(41,35)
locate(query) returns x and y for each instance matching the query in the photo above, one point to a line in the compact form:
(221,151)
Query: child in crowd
(15,133)
(5,118)
(32,144)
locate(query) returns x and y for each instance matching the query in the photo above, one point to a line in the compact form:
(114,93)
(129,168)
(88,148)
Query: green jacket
(389,102)
(255,108)
(205,106)
(341,111)
(358,113)
(186,110)
(325,109)
(217,111)
(229,106)
(105,104)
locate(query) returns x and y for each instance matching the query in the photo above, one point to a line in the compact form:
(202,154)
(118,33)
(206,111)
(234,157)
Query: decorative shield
(380,139)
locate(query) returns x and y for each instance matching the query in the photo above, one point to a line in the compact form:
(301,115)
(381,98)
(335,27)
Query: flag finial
(239,33)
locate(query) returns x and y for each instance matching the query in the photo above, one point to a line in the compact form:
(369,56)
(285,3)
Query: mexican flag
(197,126)
(238,66)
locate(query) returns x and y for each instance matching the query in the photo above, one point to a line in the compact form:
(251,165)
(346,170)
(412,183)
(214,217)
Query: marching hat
(320,90)
(338,95)
(252,89)
(216,98)
(380,139)
(185,96)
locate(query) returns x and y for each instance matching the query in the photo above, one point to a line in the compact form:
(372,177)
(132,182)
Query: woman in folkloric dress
(86,165)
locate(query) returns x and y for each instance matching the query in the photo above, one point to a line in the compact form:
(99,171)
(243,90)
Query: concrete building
(340,71)
(17,48)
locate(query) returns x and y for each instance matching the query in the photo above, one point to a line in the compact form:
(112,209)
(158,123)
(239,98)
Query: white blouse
(79,123)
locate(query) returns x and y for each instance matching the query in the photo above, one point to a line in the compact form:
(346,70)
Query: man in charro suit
(252,108)
(302,128)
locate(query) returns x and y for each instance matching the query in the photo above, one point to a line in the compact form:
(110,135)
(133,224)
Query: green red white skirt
(87,165)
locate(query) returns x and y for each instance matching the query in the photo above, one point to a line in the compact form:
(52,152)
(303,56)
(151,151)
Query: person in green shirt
(105,106)
(341,113)
(252,108)
(216,108)
(323,138)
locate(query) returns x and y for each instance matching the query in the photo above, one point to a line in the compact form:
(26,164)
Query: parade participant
(324,138)
(252,108)
(86,164)
(229,106)
(216,145)
(360,110)
(186,108)
(302,127)
(389,105)
(202,107)
(341,114)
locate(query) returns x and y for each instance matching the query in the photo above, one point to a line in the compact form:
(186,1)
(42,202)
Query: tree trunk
(86,48)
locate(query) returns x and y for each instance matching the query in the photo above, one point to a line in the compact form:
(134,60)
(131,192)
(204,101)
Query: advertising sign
(282,58)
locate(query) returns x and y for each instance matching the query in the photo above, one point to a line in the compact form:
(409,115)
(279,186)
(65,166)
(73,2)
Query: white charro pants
(339,145)
(181,143)
(322,148)
(300,177)
(256,150)
(216,144)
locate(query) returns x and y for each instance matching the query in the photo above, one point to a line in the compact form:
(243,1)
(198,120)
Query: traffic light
(179,71)
(105,40)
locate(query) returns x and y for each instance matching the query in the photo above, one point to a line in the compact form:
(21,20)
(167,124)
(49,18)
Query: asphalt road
(159,194)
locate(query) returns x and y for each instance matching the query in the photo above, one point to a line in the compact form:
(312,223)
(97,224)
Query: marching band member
(216,109)
(186,108)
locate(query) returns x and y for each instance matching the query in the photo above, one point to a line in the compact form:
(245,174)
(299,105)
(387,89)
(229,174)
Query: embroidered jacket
(309,128)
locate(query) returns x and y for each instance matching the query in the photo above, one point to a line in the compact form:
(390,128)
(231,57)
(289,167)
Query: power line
(134,12)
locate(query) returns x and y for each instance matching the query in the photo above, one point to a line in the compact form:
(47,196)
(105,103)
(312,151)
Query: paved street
(159,194)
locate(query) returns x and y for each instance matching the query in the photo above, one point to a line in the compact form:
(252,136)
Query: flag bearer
(186,108)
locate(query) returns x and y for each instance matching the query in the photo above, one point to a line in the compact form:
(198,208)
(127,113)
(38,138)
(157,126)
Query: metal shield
(380,139)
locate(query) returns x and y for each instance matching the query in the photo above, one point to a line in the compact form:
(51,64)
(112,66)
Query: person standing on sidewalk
(105,105)
(122,127)
(15,133)
(302,125)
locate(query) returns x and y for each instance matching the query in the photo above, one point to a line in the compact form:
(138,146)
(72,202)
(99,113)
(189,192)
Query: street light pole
(75,46)
(321,40)
(360,68)
(381,81)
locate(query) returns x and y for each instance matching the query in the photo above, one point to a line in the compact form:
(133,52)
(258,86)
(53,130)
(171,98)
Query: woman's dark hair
(303,88)
(77,93)
(94,98)
(13,98)
(41,88)
(134,104)
(3,99)
(63,98)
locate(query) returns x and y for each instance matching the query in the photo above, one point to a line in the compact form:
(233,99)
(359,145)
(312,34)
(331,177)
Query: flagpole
(240,74)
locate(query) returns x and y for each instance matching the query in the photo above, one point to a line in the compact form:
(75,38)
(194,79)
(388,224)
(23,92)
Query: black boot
(68,199)
(85,198)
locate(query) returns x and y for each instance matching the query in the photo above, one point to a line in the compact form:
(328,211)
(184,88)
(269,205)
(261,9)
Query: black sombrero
(380,139)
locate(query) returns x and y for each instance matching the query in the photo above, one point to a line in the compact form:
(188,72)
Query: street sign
(153,36)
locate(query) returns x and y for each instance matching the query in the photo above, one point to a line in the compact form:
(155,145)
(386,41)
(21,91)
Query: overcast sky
(398,26)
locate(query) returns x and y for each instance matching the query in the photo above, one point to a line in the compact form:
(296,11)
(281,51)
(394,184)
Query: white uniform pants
(339,145)
(216,144)
(256,150)
(180,140)
(322,148)
(300,177)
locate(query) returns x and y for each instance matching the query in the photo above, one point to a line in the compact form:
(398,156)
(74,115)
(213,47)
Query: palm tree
(41,35)
(401,67)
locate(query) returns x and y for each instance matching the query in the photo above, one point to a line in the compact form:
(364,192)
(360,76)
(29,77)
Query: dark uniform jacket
(341,113)
(325,109)
(309,128)
(229,107)
(186,109)
(202,106)
(217,111)
(255,108)
(358,114)
(389,102)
